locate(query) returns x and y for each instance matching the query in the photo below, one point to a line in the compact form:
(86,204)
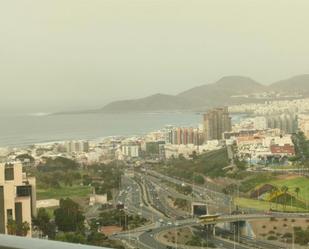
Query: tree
(68,216)
(297,190)
(11,227)
(42,218)
(42,221)
(230,189)
(96,239)
(285,189)
(194,155)
(198,179)
(18,229)
(71,237)
(23,229)
(276,192)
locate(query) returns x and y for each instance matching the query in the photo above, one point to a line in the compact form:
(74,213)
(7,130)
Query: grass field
(301,182)
(264,206)
(63,192)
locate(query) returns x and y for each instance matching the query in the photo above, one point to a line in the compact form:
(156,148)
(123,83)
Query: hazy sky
(76,54)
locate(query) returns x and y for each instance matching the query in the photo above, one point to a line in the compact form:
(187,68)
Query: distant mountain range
(228,90)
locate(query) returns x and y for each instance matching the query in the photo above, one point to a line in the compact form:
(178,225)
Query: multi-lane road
(145,195)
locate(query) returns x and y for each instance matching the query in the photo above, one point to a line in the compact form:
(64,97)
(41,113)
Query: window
(9,214)
(22,191)
(9,173)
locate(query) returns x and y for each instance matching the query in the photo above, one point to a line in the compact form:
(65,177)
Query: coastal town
(157,124)
(260,132)
(256,138)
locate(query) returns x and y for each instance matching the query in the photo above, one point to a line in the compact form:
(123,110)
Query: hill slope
(295,84)
(223,91)
(197,98)
(157,102)
(226,91)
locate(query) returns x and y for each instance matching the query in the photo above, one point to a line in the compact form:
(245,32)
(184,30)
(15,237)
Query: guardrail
(15,242)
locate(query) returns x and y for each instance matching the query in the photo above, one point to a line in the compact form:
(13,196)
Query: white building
(260,123)
(131,150)
(186,150)
(76,146)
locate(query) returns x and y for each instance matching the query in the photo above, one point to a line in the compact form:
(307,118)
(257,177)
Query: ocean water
(25,129)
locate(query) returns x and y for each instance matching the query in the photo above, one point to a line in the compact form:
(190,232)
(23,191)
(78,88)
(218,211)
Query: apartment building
(185,136)
(216,122)
(17,196)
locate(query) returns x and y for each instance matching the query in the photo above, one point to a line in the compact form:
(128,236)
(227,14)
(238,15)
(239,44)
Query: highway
(135,203)
(148,238)
(143,195)
(209,193)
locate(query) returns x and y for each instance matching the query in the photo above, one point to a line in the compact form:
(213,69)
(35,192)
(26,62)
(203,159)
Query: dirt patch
(181,235)
(110,230)
(278,227)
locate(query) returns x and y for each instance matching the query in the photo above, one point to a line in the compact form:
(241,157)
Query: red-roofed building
(285,150)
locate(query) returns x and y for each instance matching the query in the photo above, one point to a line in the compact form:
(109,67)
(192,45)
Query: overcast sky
(76,54)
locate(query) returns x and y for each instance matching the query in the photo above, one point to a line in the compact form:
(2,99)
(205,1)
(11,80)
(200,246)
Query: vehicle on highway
(208,217)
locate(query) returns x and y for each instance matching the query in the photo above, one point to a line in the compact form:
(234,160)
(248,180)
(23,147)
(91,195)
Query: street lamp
(234,236)
(293,237)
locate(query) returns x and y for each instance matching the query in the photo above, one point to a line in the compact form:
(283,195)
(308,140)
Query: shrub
(272,237)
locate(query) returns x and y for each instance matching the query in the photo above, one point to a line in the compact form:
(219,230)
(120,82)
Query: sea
(17,130)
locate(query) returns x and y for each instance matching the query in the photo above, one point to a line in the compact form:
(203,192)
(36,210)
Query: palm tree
(297,190)
(284,189)
(274,193)
(276,189)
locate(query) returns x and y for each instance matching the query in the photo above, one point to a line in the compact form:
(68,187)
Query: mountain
(157,102)
(223,92)
(220,93)
(226,91)
(296,84)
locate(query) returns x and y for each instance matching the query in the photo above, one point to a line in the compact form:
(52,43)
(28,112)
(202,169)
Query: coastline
(30,129)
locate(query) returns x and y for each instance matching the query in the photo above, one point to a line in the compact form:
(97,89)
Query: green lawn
(63,192)
(301,182)
(263,205)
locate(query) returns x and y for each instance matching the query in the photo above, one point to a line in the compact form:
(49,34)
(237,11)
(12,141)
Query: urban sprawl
(260,137)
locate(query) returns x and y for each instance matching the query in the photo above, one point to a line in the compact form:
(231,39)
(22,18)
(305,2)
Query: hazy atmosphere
(74,54)
(165,124)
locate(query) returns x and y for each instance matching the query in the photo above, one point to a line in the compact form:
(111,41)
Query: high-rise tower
(216,122)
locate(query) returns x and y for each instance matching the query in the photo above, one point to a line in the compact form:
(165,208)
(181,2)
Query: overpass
(14,242)
(148,238)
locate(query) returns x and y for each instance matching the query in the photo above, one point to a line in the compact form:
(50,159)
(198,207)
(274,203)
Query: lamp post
(234,245)
(293,237)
